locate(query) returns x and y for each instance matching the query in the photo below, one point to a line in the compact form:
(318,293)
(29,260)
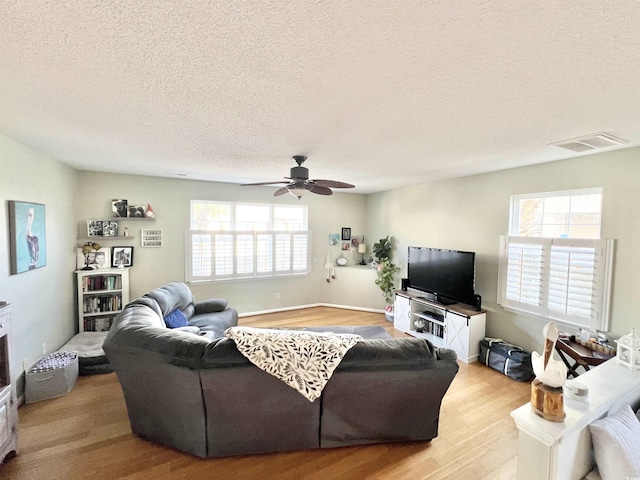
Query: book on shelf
(102,282)
(102,303)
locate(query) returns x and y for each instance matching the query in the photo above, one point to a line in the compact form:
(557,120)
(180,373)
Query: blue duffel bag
(506,358)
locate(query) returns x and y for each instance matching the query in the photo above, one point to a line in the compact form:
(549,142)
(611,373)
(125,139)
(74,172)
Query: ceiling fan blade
(320,190)
(280,191)
(263,183)
(332,184)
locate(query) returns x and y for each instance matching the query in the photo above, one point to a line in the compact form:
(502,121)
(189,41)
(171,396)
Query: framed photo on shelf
(27,236)
(94,228)
(119,207)
(137,211)
(122,257)
(94,259)
(109,229)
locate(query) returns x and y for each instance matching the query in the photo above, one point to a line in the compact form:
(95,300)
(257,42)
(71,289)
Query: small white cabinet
(102,294)
(458,326)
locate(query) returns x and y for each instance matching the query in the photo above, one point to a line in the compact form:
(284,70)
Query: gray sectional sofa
(199,394)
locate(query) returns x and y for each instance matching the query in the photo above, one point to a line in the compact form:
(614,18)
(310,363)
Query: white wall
(42,299)
(471,213)
(170,199)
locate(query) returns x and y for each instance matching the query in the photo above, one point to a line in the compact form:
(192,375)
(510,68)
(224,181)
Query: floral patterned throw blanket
(301,359)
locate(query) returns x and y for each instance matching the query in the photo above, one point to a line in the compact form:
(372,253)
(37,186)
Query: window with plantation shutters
(559,278)
(229,241)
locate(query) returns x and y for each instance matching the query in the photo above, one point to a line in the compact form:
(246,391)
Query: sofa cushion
(176,319)
(616,443)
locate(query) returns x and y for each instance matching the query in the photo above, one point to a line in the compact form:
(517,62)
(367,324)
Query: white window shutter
(568,280)
(523,272)
(199,245)
(223,254)
(230,255)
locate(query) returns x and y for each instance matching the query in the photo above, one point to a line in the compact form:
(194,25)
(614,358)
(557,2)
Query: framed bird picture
(28,236)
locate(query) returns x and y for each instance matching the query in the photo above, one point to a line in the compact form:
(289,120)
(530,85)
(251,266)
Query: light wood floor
(86,434)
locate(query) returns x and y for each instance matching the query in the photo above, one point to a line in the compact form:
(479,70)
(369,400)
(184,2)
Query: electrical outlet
(278,295)
(44,348)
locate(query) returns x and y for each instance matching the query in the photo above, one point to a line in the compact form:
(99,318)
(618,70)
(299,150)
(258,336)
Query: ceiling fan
(299,184)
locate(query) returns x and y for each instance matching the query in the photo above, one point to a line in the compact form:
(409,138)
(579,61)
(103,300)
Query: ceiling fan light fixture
(298,192)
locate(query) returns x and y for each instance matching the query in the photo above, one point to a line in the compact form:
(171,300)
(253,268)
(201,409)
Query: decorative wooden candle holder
(547,402)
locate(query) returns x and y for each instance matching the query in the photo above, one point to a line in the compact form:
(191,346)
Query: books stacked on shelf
(97,324)
(102,282)
(434,329)
(102,303)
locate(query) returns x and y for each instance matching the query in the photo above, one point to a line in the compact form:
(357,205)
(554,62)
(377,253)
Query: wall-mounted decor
(151,237)
(334,239)
(100,258)
(122,257)
(346,246)
(28,241)
(346,233)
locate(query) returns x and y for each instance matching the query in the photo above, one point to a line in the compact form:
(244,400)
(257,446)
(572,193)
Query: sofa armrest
(211,305)
(446,354)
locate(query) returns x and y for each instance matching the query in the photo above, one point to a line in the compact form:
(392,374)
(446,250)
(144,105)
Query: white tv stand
(456,326)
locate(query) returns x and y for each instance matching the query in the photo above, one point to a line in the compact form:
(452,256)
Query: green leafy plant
(386,269)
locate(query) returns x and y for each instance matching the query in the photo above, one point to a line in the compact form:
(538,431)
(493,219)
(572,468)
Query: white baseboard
(300,307)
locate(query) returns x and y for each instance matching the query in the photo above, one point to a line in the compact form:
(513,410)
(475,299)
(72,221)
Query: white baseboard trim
(300,307)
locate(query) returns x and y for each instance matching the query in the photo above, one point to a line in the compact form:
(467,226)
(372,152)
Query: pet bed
(91,356)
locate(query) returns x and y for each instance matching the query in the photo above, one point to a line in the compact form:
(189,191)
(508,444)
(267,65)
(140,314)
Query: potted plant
(386,271)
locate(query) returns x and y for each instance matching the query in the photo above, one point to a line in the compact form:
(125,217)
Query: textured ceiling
(380,94)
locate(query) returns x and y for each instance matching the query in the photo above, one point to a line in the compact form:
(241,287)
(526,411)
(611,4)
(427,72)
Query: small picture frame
(94,228)
(346,246)
(346,233)
(119,207)
(122,257)
(109,229)
(137,211)
(334,239)
(96,259)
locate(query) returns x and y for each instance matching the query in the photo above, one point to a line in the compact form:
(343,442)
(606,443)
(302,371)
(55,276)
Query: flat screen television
(449,275)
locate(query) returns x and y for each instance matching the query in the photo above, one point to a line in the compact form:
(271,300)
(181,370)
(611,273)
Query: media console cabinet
(457,326)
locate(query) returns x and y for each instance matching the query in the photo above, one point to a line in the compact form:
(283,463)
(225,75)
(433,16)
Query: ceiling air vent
(590,142)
